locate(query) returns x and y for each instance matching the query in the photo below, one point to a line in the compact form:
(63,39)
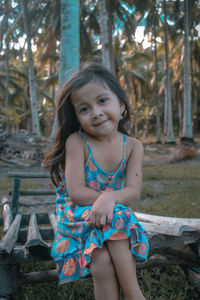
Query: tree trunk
(187,134)
(110,31)
(69,47)
(170,134)
(33,94)
(156,79)
(104,34)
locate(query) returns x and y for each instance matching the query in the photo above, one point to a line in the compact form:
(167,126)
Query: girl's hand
(102,210)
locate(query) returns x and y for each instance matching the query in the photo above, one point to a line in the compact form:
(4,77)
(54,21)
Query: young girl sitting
(97,169)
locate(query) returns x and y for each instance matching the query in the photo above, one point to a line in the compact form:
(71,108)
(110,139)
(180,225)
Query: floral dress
(75,239)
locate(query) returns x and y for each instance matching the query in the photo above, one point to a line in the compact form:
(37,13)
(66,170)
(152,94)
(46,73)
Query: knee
(101,264)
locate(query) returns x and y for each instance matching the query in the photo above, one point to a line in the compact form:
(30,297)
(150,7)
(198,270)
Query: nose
(96,112)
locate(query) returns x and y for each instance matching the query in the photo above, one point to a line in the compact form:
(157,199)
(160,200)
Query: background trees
(139,65)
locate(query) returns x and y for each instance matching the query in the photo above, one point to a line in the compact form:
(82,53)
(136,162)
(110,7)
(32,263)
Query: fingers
(97,220)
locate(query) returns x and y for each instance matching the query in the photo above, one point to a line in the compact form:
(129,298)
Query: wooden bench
(28,238)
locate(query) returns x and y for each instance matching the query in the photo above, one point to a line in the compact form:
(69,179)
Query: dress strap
(86,141)
(124,148)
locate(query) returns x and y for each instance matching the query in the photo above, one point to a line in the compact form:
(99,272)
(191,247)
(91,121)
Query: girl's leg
(104,276)
(125,266)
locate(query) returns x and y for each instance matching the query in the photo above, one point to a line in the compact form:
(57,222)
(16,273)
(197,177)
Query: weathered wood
(7,217)
(46,233)
(38,277)
(15,196)
(28,175)
(19,256)
(8,275)
(168,229)
(192,222)
(14,162)
(34,193)
(52,218)
(35,244)
(9,240)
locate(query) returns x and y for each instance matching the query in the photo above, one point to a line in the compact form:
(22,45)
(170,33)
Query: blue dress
(75,239)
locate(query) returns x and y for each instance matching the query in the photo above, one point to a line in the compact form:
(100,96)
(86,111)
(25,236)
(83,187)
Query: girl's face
(97,108)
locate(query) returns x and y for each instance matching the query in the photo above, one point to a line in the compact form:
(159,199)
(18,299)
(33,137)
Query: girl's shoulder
(74,140)
(134,146)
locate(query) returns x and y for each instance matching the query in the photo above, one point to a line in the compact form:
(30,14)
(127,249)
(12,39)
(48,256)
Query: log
(7,217)
(35,193)
(14,162)
(9,240)
(192,222)
(38,277)
(35,244)
(53,222)
(28,175)
(46,233)
(15,196)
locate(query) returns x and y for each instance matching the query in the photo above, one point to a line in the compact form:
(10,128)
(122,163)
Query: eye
(103,100)
(83,109)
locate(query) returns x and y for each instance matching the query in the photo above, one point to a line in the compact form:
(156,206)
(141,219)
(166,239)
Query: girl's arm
(75,174)
(133,181)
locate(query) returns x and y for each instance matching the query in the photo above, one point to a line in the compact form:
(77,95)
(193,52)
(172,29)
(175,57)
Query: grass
(168,190)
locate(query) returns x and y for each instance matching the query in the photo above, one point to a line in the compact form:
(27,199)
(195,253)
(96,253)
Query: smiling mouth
(99,124)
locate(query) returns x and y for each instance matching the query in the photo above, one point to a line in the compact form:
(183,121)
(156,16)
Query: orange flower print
(85,214)
(94,185)
(118,235)
(70,215)
(58,237)
(58,218)
(141,248)
(127,213)
(119,224)
(69,267)
(60,207)
(132,226)
(119,212)
(62,246)
(90,249)
(82,262)
(106,227)
(91,165)
(80,227)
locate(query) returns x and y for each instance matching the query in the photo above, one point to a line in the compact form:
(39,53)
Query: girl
(97,169)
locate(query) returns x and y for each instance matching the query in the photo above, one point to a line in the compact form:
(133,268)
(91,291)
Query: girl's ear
(122,107)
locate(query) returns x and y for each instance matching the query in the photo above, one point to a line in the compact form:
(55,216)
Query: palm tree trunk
(187,134)
(33,94)
(70,45)
(110,32)
(156,80)
(170,133)
(8,127)
(104,34)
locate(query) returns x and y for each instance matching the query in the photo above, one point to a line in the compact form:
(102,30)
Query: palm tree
(33,94)
(69,44)
(187,134)
(104,33)
(170,133)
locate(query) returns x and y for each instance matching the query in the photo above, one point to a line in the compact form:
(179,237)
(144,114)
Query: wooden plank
(192,222)
(9,240)
(35,193)
(46,233)
(28,175)
(7,217)
(35,244)
(15,196)
(53,221)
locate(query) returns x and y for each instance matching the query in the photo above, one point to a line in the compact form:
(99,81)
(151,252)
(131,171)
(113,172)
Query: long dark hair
(68,123)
